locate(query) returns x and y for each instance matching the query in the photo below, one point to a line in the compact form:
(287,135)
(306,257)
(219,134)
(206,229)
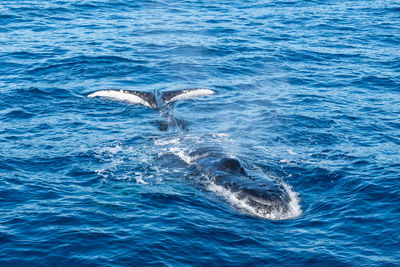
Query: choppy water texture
(307,92)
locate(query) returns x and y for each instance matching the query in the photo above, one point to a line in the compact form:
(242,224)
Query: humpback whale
(264,195)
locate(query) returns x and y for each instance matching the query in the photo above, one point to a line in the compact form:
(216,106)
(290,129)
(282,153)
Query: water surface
(307,92)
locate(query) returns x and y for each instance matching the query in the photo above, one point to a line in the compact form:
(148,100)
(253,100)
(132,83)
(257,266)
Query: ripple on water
(306,93)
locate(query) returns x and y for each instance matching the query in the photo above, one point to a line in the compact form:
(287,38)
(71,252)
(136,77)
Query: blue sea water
(307,93)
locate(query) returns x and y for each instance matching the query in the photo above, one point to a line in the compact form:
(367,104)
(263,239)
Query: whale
(263,194)
(266,196)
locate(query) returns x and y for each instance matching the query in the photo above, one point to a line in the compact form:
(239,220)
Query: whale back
(231,165)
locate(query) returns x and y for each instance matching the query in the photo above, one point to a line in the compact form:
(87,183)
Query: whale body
(265,195)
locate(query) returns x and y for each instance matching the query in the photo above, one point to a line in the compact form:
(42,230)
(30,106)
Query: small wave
(109,151)
(187,154)
(293,211)
(163,142)
(90,66)
(18,114)
(179,152)
(219,135)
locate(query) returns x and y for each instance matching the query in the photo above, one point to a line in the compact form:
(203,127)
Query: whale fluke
(154,99)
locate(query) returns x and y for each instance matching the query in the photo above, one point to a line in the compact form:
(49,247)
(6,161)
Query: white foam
(139,178)
(179,147)
(163,142)
(102,172)
(192,93)
(219,135)
(294,203)
(181,154)
(184,155)
(120,95)
(291,152)
(113,150)
(294,209)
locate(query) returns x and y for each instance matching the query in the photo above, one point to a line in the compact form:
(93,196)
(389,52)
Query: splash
(277,213)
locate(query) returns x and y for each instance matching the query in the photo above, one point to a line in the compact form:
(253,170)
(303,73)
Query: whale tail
(152,99)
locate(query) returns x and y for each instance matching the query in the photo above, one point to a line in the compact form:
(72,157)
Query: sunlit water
(307,93)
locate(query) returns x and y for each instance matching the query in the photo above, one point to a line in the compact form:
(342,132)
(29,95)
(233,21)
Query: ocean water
(307,93)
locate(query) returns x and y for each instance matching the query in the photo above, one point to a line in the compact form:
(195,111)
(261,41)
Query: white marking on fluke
(191,93)
(121,95)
